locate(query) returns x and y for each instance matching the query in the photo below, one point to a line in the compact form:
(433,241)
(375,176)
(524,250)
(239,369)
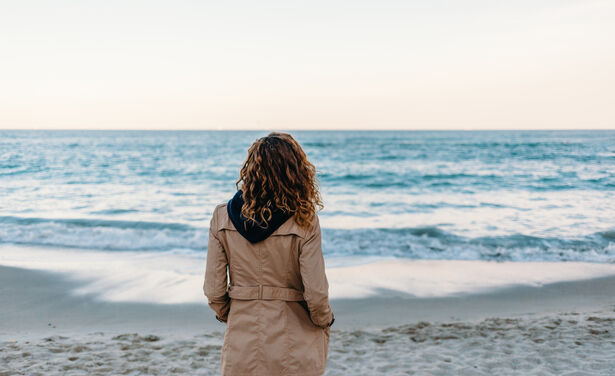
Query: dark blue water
(496,195)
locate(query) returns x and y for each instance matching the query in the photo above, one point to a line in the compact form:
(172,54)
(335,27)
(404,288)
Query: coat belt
(261,292)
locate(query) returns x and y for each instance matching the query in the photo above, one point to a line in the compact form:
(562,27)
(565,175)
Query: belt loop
(260,292)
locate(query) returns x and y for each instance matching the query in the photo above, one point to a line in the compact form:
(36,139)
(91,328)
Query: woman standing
(276,303)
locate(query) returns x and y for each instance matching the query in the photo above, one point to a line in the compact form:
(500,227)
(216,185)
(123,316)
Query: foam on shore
(169,278)
(439,278)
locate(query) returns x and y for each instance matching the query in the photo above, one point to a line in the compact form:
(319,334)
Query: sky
(287,64)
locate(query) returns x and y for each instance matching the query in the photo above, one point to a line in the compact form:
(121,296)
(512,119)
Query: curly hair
(278,175)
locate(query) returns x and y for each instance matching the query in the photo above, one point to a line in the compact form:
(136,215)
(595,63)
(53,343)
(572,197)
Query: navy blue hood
(248,228)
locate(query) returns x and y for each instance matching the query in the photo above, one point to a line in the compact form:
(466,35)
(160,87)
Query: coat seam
(212,229)
(261,332)
(286,339)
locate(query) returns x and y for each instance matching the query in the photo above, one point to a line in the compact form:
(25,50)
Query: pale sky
(286,64)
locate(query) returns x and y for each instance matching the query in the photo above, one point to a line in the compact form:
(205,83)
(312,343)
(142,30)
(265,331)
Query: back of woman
(274,298)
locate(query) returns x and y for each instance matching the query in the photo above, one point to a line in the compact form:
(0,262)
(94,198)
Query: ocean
(493,195)
(117,206)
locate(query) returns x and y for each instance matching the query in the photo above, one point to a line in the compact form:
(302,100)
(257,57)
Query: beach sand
(564,328)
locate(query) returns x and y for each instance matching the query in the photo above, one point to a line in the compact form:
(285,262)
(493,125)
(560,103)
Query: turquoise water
(505,195)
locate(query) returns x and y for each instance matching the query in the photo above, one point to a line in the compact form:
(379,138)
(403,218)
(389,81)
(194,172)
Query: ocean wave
(102,234)
(432,243)
(429,242)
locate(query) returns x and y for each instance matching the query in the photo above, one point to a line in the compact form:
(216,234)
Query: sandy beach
(565,328)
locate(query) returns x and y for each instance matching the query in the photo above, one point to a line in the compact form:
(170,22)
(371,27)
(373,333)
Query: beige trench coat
(276,302)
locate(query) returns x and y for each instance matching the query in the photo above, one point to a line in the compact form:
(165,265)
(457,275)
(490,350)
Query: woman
(276,303)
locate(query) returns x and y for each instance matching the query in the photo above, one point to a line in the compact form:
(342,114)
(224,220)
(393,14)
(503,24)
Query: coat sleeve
(315,284)
(215,286)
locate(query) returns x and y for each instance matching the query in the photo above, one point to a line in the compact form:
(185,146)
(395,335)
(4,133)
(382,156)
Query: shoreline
(176,278)
(39,303)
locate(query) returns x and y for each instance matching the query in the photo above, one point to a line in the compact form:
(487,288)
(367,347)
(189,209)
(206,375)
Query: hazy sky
(307,64)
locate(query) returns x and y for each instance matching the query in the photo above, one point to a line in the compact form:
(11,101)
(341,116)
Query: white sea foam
(168,278)
(420,242)
(438,278)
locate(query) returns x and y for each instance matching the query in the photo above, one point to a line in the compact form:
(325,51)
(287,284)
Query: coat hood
(249,229)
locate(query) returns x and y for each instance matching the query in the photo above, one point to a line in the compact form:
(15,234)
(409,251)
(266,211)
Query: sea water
(433,195)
